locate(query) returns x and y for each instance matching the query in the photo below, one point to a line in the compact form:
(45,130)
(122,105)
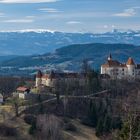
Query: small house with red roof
(117,70)
(22,92)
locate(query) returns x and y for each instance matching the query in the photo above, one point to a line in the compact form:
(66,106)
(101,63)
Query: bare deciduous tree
(48,128)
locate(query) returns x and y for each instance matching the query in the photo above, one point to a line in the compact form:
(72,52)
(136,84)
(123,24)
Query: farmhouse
(22,92)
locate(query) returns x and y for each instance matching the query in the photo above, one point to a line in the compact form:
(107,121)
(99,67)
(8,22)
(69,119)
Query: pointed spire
(110,57)
(52,74)
(39,74)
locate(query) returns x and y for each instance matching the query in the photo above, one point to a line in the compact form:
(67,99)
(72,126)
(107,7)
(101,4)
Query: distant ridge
(71,57)
(40,41)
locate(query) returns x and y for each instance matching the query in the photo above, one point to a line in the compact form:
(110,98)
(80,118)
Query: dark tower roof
(52,74)
(110,57)
(39,74)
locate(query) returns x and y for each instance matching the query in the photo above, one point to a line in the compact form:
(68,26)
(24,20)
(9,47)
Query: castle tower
(131,67)
(38,78)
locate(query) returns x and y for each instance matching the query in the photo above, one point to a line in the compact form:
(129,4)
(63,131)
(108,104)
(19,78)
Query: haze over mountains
(24,52)
(30,42)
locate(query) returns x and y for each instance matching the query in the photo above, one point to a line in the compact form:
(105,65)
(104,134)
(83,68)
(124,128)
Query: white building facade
(52,79)
(117,70)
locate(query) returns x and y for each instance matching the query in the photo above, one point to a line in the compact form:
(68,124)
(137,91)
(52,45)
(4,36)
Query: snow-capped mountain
(29,42)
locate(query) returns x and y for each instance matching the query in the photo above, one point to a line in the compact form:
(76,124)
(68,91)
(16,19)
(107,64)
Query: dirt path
(84,133)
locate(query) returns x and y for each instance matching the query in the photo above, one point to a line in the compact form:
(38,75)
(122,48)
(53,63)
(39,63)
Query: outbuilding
(22,92)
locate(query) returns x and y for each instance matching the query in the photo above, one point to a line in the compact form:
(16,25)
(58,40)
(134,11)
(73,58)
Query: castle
(50,80)
(117,70)
(112,69)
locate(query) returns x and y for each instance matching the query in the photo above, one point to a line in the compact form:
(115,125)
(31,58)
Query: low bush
(7,130)
(87,121)
(30,119)
(70,127)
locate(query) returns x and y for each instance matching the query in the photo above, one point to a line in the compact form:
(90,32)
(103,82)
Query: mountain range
(30,42)
(69,58)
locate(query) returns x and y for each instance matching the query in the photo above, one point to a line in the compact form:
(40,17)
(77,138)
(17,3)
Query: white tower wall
(131,70)
(38,82)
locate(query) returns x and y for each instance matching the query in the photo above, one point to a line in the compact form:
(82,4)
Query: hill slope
(71,57)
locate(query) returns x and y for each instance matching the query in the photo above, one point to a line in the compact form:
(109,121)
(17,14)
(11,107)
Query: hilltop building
(116,70)
(22,92)
(49,80)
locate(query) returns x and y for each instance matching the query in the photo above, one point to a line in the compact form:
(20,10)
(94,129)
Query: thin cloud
(113,26)
(19,21)
(2,15)
(27,1)
(30,17)
(49,10)
(127,13)
(136,7)
(73,22)
(105,26)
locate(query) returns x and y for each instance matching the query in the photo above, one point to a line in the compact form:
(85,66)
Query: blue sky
(70,15)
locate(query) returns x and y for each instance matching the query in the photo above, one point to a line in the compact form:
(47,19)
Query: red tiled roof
(45,76)
(22,89)
(113,63)
(130,61)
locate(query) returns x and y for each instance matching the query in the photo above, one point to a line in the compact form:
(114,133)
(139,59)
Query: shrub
(87,121)
(30,119)
(7,130)
(32,129)
(70,127)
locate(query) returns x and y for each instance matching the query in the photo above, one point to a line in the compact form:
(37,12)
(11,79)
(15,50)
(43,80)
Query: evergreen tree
(32,129)
(107,124)
(93,114)
(99,128)
(124,133)
(41,109)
